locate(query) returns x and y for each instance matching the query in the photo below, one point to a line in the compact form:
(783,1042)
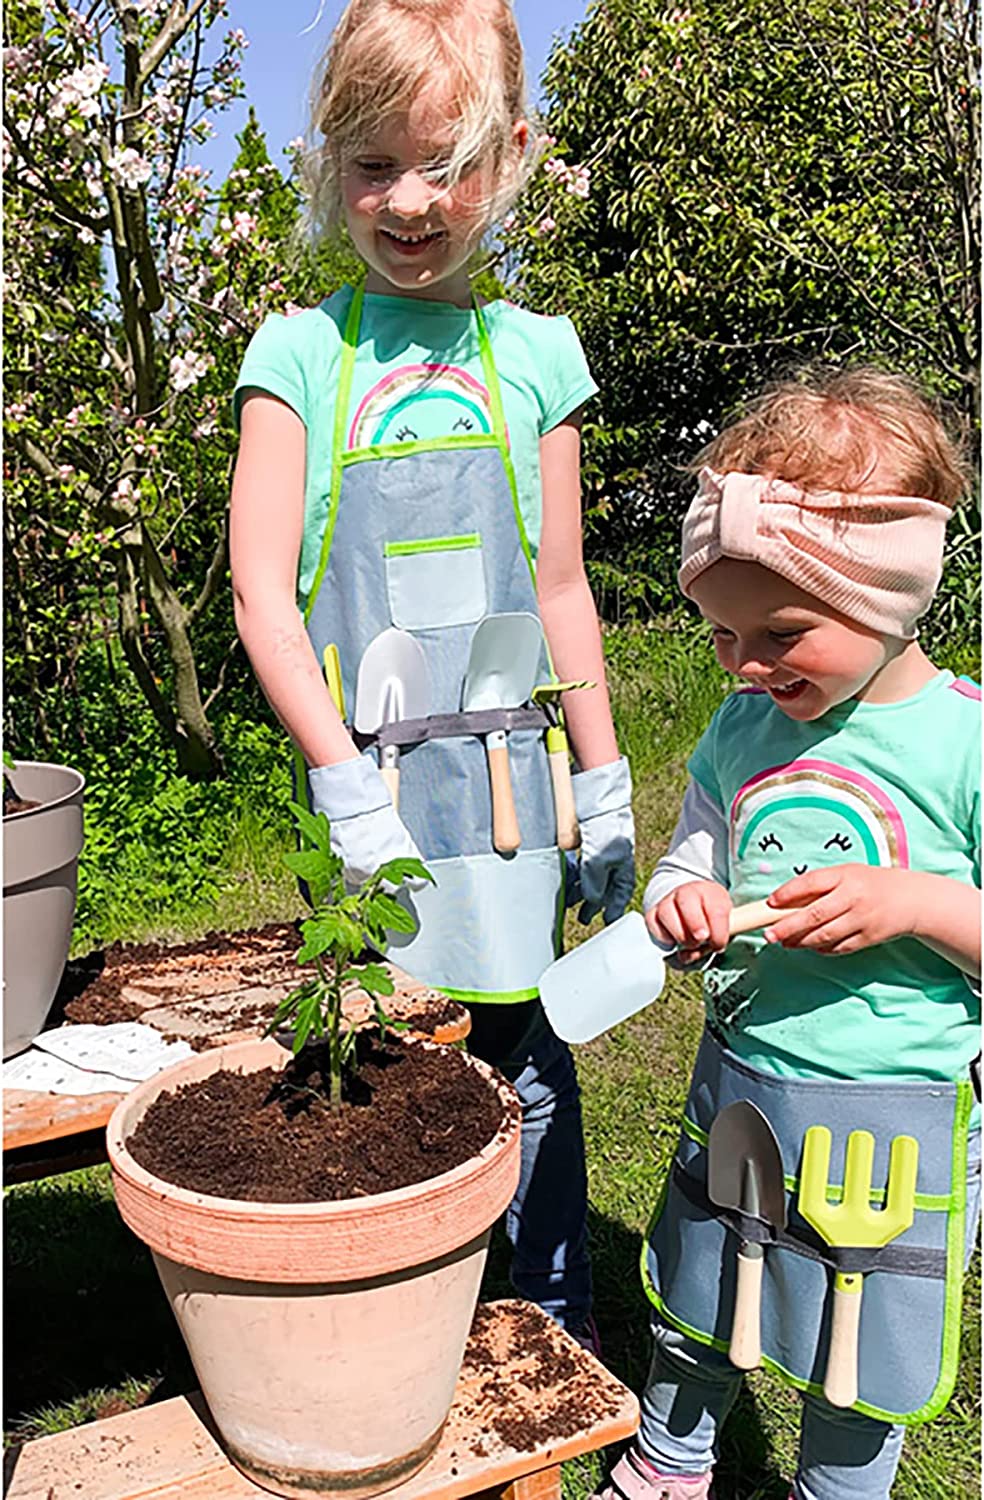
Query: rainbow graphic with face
(417,403)
(808,815)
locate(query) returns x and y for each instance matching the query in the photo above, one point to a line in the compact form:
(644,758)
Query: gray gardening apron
(428,536)
(910,1312)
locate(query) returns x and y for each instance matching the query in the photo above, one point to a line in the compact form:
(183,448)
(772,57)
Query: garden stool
(528,1398)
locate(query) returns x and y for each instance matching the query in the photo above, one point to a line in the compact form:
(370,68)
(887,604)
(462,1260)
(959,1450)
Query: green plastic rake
(854,1223)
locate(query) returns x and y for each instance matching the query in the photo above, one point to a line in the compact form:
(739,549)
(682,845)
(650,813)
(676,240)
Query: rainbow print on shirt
(416,403)
(808,815)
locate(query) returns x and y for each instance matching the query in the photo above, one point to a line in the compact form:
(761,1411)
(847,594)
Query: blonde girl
(409,460)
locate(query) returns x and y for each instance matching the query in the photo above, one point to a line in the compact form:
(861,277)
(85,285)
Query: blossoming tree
(133,285)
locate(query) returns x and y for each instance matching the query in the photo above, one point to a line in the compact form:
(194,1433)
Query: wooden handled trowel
(393,683)
(744,1172)
(502,668)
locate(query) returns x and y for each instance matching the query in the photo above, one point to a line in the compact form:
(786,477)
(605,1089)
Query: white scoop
(620,970)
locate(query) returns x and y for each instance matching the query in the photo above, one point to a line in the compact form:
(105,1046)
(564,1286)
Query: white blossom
(187,370)
(78,91)
(243,225)
(129,169)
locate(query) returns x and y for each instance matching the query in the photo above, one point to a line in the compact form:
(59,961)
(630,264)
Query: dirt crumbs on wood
(410,1112)
(101,1001)
(428,1014)
(528,1388)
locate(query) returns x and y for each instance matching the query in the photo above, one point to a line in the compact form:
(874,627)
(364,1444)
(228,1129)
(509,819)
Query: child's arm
(687,901)
(570,621)
(603,786)
(265,528)
(855,906)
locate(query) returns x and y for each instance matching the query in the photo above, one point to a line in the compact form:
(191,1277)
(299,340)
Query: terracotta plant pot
(327,1337)
(41,848)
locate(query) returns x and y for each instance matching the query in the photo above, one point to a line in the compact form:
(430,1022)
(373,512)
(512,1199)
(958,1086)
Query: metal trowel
(745,1173)
(393,683)
(502,668)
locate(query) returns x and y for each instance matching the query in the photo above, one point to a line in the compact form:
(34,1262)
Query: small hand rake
(856,1224)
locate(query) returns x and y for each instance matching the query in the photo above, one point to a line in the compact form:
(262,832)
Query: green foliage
(734,190)
(343,924)
(120,436)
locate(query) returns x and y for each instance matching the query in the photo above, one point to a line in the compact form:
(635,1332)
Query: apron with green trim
(428,536)
(911,1296)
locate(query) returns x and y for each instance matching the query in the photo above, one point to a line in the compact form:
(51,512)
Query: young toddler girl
(842,783)
(409,460)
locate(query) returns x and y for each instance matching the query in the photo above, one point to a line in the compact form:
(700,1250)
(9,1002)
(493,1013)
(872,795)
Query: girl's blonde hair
(825,429)
(384,55)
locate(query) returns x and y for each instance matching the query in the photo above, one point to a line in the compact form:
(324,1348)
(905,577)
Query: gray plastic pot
(41,848)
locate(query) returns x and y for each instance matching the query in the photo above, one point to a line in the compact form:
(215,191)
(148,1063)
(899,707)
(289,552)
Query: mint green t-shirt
(884,784)
(418,374)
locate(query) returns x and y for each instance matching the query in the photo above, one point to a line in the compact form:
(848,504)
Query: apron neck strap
(491,378)
(350,341)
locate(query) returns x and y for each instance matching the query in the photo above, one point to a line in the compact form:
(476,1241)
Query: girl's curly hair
(827,429)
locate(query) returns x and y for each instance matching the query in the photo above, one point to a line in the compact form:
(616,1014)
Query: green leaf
(309,1019)
(374,979)
(398,870)
(314,826)
(390,914)
(320,933)
(309,864)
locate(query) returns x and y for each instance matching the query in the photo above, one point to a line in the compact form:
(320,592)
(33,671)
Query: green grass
(86,1321)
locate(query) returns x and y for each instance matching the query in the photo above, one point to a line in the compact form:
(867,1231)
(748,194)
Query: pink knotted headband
(875,558)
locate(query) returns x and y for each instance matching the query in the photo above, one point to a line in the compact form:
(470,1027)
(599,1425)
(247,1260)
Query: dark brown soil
(410,1112)
(428,1016)
(15,805)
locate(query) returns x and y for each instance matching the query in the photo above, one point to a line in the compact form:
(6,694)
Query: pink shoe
(634,1478)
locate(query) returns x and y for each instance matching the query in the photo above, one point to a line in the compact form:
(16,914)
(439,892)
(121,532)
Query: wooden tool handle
(568,833)
(753,915)
(840,1383)
(745,1350)
(391,776)
(505,826)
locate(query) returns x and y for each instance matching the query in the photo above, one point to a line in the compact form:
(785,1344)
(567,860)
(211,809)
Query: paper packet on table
(93,1059)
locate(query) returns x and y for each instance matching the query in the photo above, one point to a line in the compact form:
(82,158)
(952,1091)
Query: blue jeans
(691,1388)
(547,1220)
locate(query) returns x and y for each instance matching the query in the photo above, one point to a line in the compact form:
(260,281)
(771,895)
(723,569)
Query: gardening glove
(603,799)
(366,829)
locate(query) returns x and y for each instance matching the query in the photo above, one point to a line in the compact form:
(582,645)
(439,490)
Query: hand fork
(854,1222)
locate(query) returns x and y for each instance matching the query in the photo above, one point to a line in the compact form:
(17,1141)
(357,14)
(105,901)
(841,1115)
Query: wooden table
(209,998)
(171,1451)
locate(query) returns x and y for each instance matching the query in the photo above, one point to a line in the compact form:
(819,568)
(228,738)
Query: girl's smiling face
(414,231)
(805,655)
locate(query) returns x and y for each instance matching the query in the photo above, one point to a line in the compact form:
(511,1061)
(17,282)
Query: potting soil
(409,1112)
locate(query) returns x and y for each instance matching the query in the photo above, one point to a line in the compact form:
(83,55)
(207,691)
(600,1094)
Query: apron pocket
(434,582)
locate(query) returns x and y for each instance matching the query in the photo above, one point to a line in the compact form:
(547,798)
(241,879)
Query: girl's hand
(850,907)
(694,917)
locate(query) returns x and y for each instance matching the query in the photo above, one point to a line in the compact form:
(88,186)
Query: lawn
(88,1331)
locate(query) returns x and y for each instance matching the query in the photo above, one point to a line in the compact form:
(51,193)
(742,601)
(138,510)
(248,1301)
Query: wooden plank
(171,1452)
(30,1117)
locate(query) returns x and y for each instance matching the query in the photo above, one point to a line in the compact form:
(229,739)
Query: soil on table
(565,1393)
(101,977)
(409,1112)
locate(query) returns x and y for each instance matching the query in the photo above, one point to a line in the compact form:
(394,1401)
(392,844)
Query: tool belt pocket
(433,583)
(445,794)
(908,1336)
